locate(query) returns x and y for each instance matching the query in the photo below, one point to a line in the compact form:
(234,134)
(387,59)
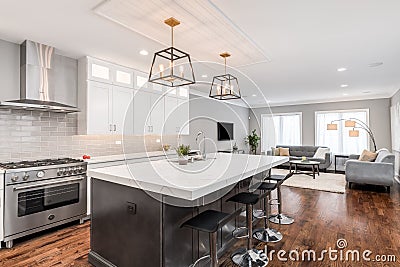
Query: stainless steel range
(42,194)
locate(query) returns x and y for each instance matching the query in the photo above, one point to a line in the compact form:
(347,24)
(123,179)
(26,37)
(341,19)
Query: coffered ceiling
(291,50)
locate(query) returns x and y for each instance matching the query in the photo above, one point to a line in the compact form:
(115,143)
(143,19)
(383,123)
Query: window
(280,129)
(339,140)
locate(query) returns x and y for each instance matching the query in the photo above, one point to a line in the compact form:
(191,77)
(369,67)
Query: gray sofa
(296,152)
(378,172)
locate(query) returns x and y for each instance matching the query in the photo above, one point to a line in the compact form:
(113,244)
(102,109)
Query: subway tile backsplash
(29,135)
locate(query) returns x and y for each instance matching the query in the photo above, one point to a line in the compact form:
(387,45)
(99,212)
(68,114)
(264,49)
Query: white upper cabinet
(123,77)
(118,100)
(109,109)
(122,110)
(176,119)
(148,113)
(102,71)
(99,108)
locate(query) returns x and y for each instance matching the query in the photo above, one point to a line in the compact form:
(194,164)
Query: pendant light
(225,87)
(172,67)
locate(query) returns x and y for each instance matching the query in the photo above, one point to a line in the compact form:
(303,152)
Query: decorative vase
(183,160)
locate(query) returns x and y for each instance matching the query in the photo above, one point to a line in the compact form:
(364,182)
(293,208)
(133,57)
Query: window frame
(272,115)
(343,111)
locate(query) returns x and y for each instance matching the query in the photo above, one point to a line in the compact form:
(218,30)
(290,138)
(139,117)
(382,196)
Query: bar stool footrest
(259,214)
(240,232)
(199,260)
(245,258)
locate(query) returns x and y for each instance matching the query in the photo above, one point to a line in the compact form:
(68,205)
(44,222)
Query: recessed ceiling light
(341,69)
(253,95)
(143,52)
(344,85)
(375,64)
(345,94)
(204,76)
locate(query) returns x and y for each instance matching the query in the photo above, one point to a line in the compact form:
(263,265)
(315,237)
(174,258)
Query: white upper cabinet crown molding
(103,71)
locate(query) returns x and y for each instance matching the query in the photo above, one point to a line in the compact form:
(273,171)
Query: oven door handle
(65,181)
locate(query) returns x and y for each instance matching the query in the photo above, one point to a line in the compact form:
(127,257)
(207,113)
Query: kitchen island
(137,209)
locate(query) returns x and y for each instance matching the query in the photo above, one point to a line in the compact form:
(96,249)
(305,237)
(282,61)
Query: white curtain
(281,129)
(339,140)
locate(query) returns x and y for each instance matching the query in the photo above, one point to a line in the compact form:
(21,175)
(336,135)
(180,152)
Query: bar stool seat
(207,221)
(244,198)
(210,221)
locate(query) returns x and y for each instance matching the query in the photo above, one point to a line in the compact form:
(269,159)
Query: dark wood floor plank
(366,216)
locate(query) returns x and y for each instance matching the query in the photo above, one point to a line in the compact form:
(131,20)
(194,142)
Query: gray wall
(9,71)
(394,101)
(204,115)
(379,117)
(395,98)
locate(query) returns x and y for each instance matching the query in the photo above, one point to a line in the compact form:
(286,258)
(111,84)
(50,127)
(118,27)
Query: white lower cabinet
(109,109)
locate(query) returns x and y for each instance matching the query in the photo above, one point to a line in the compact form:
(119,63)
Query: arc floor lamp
(355,124)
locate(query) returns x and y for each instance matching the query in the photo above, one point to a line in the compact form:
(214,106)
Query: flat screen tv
(225,131)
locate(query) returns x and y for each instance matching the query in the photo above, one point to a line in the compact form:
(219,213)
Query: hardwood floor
(366,217)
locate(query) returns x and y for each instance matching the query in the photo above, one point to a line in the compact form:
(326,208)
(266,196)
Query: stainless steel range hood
(40,80)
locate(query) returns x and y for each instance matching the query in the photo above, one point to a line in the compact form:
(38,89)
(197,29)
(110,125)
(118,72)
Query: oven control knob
(65,171)
(75,170)
(70,171)
(40,174)
(25,177)
(14,178)
(59,172)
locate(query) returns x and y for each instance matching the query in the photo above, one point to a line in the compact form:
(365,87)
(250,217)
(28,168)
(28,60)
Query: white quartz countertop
(191,181)
(121,157)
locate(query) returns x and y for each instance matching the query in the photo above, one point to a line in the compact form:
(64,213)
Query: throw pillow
(367,156)
(277,151)
(284,151)
(320,153)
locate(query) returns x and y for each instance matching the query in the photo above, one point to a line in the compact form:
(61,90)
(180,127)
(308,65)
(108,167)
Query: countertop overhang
(188,182)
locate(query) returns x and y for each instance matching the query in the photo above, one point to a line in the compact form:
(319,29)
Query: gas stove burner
(38,163)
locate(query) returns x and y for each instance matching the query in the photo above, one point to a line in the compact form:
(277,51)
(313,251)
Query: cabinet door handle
(115,127)
(110,127)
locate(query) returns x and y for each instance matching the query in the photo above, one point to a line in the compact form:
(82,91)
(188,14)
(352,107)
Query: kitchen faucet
(202,153)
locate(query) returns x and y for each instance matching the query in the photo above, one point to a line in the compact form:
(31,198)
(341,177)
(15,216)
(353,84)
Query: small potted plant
(253,140)
(183,152)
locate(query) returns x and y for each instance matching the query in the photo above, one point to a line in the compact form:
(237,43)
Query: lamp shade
(354,133)
(349,123)
(172,67)
(225,87)
(331,126)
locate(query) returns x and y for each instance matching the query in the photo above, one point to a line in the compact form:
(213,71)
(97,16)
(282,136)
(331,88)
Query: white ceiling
(306,42)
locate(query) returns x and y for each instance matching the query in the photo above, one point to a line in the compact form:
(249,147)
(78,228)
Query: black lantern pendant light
(171,66)
(225,87)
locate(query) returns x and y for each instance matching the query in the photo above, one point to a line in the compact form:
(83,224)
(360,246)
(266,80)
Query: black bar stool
(248,256)
(210,221)
(280,218)
(266,234)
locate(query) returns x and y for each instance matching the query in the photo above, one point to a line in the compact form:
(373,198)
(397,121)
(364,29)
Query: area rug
(330,182)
